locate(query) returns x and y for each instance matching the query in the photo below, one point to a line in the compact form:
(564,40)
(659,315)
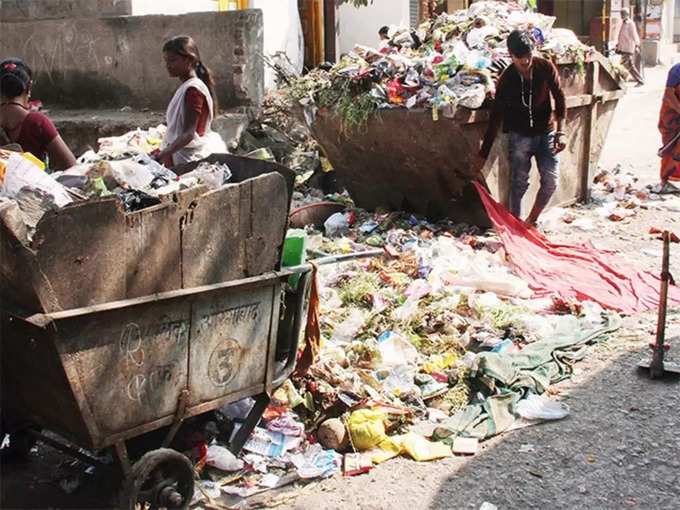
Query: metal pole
(656,368)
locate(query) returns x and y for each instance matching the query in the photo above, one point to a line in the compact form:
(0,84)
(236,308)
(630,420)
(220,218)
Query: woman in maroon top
(33,131)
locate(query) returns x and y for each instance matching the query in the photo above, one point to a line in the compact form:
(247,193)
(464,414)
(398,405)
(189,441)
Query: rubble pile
(449,61)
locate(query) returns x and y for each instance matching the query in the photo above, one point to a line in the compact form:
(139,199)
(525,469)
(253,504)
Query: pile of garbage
(425,352)
(448,61)
(122,168)
(276,135)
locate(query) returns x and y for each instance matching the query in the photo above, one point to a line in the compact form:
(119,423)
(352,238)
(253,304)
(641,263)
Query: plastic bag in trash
(316,462)
(19,171)
(336,225)
(221,458)
(135,200)
(421,450)
(400,382)
(536,407)
(395,350)
(212,175)
(366,428)
(131,175)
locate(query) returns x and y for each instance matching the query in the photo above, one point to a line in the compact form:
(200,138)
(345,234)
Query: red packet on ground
(356,464)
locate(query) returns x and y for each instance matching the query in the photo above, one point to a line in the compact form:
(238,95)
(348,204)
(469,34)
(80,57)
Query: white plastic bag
(131,175)
(395,351)
(18,172)
(536,407)
(336,225)
(221,458)
(211,175)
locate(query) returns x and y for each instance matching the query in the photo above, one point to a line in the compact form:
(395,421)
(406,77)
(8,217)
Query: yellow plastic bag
(386,450)
(420,449)
(416,446)
(366,428)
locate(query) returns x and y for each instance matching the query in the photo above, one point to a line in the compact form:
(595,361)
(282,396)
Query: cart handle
(302,303)
(331,259)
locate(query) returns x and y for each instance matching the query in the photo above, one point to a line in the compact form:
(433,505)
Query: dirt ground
(620,447)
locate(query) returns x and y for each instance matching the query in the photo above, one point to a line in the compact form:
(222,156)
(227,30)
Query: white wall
(144,7)
(668,21)
(282,32)
(361,25)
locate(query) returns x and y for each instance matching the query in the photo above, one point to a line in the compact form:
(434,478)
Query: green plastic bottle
(294,252)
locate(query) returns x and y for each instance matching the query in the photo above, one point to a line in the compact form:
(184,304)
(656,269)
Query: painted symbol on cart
(223,362)
(141,386)
(131,344)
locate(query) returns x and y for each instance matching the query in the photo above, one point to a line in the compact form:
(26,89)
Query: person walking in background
(628,46)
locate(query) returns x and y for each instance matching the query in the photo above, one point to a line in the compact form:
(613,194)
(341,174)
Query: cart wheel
(162,478)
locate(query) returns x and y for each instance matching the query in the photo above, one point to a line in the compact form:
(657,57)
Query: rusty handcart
(115,325)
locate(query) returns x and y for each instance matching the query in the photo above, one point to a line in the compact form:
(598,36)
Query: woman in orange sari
(669,126)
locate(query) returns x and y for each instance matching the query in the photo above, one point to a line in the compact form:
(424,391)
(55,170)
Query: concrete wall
(13,10)
(361,25)
(115,62)
(145,7)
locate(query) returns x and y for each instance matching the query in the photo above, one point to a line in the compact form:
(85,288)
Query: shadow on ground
(620,448)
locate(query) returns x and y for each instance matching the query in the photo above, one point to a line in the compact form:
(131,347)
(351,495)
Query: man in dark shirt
(523,104)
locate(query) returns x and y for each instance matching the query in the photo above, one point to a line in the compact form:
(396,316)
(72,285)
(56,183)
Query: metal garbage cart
(118,324)
(404,160)
(103,374)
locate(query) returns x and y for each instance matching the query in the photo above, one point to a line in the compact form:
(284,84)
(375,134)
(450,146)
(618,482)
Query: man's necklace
(531,96)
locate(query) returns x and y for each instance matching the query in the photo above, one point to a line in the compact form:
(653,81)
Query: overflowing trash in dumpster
(449,61)
(122,167)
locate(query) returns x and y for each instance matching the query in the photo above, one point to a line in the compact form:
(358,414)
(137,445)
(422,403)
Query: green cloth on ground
(510,376)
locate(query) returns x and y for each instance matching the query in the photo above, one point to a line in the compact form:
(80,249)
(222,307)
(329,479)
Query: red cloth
(576,272)
(36,133)
(197,102)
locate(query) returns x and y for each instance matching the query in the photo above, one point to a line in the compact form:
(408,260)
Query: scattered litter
(535,407)
(222,459)
(465,445)
(356,464)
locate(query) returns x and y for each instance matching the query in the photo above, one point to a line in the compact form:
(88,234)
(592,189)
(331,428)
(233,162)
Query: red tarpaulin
(573,272)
